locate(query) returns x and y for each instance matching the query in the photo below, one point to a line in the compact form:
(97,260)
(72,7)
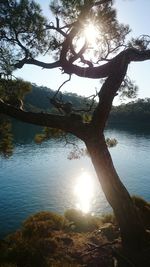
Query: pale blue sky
(132,12)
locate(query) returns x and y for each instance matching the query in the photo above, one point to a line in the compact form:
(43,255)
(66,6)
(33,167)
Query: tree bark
(132,230)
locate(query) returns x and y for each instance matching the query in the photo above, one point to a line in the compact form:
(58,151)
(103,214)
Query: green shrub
(108,218)
(143,208)
(42,223)
(33,245)
(140,202)
(81,222)
(111,142)
(30,252)
(39,138)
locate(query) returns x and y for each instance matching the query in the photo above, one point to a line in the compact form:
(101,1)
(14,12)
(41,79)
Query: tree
(25,34)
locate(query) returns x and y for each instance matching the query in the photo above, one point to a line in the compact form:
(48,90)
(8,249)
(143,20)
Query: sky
(136,13)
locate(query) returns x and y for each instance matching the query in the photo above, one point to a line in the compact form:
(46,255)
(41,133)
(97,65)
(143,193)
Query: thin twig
(90,106)
(62,86)
(68,142)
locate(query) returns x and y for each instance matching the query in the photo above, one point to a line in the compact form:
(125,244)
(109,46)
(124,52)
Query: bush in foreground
(48,239)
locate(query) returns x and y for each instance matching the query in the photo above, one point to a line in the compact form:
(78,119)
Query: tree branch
(134,54)
(65,123)
(103,71)
(20,44)
(55,95)
(52,27)
(32,61)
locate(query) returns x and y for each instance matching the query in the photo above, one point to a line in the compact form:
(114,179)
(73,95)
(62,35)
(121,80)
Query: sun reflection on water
(84,192)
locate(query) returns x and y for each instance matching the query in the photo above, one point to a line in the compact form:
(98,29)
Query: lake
(41,177)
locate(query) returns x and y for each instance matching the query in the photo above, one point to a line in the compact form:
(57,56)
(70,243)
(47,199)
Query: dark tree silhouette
(25,34)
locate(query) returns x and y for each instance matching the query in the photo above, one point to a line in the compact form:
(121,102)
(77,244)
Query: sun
(89,37)
(91,33)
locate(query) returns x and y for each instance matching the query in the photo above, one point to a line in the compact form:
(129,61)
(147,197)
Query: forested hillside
(133,112)
(39,99)
(137,112)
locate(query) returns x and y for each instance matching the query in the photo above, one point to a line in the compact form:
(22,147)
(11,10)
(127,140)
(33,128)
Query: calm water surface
(40,177)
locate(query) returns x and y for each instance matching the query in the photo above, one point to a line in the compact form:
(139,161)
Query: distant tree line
(138,111)
(38,100)
(133,112)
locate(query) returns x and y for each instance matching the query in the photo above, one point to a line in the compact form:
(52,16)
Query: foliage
(41,224)
(86,117)
(141,43)
(77,153)
(48,133)
(30,252)
(11,90)
(22,26)
(143,208)
(6,137)
(33,245)
(36,244)
(26,29)
(42,240)
(81,222)
(128,89)
(78,13)
(108,218)
(68,10)
(111,142)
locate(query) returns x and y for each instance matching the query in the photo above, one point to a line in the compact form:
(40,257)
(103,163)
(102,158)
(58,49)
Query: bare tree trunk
(131,228)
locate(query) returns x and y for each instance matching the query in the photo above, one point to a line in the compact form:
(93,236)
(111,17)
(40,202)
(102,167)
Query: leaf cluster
(22,30)
(25,33)
(68,10)
(111,142)
(78,15)
(128,89)
(6,137)
(112,34)
(11,90)
(141,43)
(47,134)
